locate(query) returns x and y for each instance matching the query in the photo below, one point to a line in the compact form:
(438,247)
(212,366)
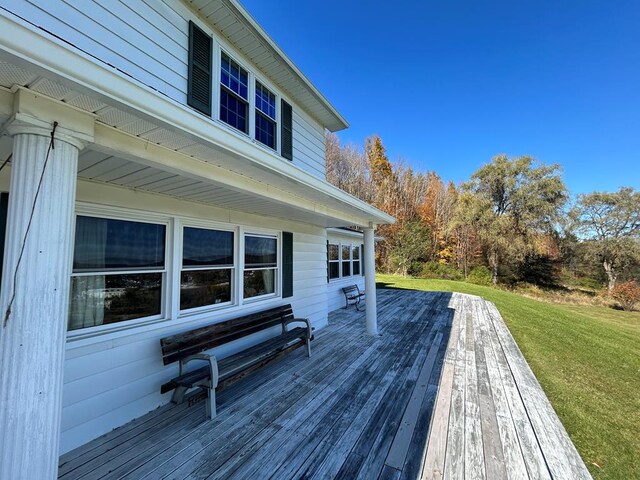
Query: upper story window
(234,94)
(253,112)
(207,267)
(265,116)
(118,271)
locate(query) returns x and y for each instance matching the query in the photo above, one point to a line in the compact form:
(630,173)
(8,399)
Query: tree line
(512,221)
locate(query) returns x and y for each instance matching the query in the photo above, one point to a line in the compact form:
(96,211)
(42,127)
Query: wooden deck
(443,393)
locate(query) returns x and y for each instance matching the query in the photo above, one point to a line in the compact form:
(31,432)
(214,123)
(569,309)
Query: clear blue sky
(449,84)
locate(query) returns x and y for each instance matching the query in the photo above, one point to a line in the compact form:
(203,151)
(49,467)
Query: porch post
(370,280)
(34,300)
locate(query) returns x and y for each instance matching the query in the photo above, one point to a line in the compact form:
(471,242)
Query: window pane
(260,251)
(108,244)
(259,282)
(346,269)
(265,101)
(356,267)
(333,252)
(334,270)
(204,287)
(105,299)
(265,130)
(355,250)
(206,247)
(346,250)
(233,110)
(234,77)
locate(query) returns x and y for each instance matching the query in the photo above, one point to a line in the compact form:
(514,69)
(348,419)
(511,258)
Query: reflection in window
(234,94)
(265,116)
(207,267)
(260,265)
(346,261)
(334,261)
(118,271)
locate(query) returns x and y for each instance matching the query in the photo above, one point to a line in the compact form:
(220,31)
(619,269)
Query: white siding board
(74,26)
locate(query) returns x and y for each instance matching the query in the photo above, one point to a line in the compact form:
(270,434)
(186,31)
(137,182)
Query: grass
(587,359)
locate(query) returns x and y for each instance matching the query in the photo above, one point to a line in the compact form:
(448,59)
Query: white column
(32,336)
(370,281)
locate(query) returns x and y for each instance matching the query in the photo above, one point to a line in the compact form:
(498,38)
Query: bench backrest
(182,345)
(351,289)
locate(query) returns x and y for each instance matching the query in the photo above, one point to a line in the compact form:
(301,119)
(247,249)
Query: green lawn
(587,360)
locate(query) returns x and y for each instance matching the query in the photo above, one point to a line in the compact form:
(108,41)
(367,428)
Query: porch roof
(443,392)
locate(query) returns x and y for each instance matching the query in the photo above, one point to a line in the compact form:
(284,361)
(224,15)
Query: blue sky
(449,84)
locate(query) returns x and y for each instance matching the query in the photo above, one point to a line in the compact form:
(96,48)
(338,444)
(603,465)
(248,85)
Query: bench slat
(182,345)
(231,365)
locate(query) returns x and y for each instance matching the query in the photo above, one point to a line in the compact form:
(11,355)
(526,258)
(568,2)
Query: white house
(163,168)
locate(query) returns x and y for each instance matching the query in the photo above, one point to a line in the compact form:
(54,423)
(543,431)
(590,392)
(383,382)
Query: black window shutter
(362,260)
(287,264)
(4,204)
(199,91)
(286,130)
(328,277)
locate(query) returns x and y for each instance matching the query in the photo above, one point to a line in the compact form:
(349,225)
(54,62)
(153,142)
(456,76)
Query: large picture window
(207,267)
(118,271)
(260,265)
(234,94)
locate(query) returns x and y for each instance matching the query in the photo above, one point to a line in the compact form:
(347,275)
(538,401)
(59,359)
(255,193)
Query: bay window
(118,271)
(260,265)
(207,267)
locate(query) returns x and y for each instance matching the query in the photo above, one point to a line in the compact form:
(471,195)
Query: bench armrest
(210,359)
(301,320)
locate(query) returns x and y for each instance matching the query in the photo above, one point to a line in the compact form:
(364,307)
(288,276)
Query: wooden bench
(352,296)
(188,346)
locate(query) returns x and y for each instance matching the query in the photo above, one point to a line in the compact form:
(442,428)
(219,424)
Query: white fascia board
(31,47)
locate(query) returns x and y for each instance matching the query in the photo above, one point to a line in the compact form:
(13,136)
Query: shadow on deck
(410,403)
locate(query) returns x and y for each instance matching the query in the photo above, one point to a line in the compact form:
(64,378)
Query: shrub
(627,294)
(440,270)
(480,275)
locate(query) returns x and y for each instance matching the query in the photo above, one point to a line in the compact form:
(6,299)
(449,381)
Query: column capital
(22,124)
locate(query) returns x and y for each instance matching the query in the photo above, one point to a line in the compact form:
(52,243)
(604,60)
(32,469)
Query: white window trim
(171,313)
(117,213)
(340,261)
(180,225)
(257,232)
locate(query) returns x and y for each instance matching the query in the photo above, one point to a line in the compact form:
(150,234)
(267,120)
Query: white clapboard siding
(128,36)
(114,378)
(148,40)
(308,144)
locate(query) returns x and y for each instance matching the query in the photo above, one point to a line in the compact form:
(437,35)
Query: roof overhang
(237,25)
(137,124)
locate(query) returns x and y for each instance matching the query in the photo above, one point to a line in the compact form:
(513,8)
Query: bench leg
(308,347)
(211,403)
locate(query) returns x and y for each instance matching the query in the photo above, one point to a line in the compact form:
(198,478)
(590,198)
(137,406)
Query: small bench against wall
(189,346)
(353,296)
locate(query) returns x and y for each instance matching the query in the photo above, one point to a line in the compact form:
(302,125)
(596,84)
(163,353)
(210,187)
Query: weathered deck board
(444,392)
